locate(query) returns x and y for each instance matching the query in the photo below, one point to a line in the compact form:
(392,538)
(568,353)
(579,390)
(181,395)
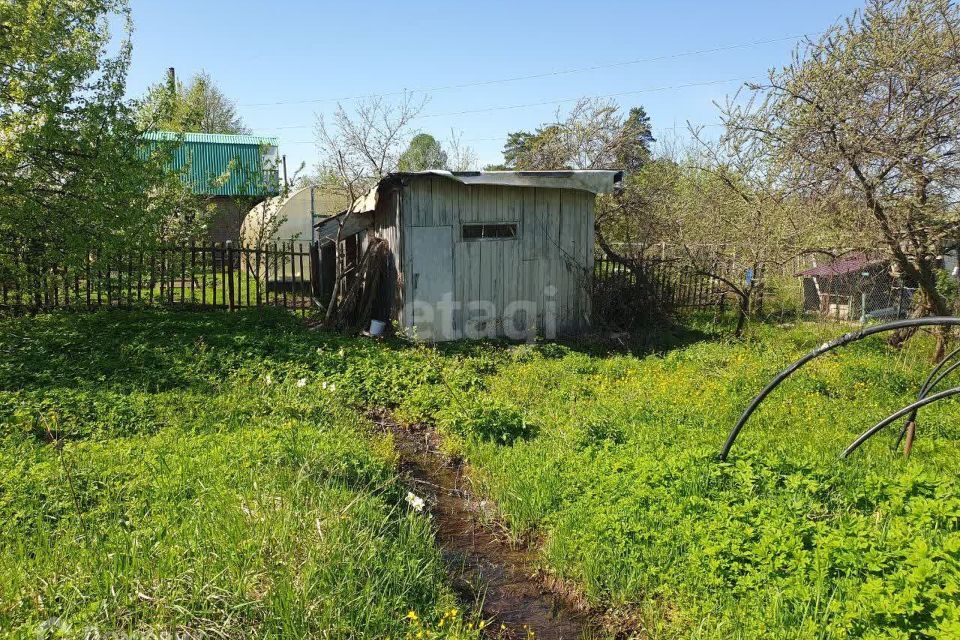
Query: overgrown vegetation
(866,118)
(73,172)
(194,474)
(852,146)
(173,466)
(212,474)
(619,477)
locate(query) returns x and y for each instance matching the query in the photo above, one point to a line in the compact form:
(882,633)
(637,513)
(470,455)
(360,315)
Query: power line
(706,83)
(548,74)
(609,95)
(464,140)
(503,137)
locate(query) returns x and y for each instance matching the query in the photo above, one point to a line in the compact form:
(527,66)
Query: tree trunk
(743,310)
(337,274)
(930,303)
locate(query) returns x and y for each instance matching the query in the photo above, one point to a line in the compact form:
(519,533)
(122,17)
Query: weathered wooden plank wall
(386,225)
(548,265)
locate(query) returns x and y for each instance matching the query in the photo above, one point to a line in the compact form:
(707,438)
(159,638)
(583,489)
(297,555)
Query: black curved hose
(940,377)
(928,385)
(847,338)
(866,435)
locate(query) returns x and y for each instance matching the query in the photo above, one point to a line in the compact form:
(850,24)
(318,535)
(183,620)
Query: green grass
(209,499)
(610,461)
(166,473)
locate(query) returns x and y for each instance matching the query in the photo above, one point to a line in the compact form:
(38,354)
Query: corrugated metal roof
(841,266)
(328,229)
(219,164)
(594,181)
(217,138)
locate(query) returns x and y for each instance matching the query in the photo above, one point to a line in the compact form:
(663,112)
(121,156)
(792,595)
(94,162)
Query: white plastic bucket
(377,327)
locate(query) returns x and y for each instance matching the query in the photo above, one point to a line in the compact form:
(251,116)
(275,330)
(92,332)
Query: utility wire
(557,101)
(493,138)
(609,95)
(548,74)
(655,130)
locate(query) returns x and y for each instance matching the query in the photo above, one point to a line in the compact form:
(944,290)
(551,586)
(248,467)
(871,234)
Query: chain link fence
(855,288)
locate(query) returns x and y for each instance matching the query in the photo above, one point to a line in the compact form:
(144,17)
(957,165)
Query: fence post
(260,269)
(230,273)
(315,270)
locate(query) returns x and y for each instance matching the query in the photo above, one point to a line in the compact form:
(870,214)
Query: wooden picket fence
(671,284)
(202,276)
(288,275)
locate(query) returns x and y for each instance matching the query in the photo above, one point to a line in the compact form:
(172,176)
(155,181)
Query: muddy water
(482,564)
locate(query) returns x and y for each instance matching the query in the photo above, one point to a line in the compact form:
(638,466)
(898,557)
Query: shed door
(431,269)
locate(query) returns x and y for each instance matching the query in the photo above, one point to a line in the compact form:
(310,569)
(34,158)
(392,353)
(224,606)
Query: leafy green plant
(166,473)
(168,419)
(949,288)
(485,418)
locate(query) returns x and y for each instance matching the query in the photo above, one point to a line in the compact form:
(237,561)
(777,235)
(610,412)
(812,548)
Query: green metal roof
(218,164)
(219,138)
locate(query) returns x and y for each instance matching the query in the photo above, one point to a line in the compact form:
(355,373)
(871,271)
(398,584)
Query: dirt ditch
(483,565)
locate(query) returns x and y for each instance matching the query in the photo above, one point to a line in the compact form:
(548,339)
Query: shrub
(485,418)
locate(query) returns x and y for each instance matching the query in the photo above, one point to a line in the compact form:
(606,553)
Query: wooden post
(66,286)
(245,271)
(203,275)
(258,273)
(163,274)
(303,283)
(109,282)
(140,275)
(266,275)
(183,274)
(283,268)
(315,270)
(89,284)
(223,274)
(130,279)
(213,269)
(232,302)
(193,271)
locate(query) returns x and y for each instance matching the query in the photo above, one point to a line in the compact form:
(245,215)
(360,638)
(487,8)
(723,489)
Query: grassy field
(187,474)
(171,471)
(620,480)
(610,461)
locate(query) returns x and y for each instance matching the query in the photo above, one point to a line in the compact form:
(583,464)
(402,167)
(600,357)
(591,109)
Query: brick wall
(227,217)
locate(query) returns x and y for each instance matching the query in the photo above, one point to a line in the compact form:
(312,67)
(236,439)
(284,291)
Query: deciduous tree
(594,134)
(359,149)
(423,152)
(72,170)
(198,107)
(869,113)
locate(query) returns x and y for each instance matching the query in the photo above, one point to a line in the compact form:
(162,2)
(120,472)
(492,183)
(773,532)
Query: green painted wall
(218,164)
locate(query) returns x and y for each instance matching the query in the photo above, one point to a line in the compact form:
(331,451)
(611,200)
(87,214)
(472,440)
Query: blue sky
(294,51)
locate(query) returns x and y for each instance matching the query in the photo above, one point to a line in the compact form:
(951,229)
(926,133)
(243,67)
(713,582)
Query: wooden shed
(477,254)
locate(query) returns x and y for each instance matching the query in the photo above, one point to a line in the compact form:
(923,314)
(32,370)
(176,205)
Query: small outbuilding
(234,172)
(471,254)
(855,286)
(288,222)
